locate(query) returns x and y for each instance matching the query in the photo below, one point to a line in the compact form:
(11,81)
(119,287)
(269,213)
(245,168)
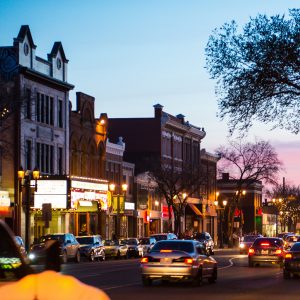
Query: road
(120,279)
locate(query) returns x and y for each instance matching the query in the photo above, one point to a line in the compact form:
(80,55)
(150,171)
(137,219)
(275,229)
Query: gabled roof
(57,47)
(25,31)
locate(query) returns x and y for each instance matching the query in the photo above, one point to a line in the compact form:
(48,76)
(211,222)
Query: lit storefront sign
(51,191)
(4,199)
(129,206)
(89,185)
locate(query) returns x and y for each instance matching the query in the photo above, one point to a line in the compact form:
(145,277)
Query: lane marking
(230,264)
(120,286)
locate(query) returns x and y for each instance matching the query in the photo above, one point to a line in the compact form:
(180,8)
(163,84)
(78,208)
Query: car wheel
(92,256)
(77,257)
(214,276)
(64,259)
(198,279)
(286,274)
(127,255)
(118,255)
(146,281)
(102,258)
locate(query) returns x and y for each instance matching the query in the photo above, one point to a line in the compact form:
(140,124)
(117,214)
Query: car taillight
(165,251)
(251,251)
(278,251)
(265,244)
(144,260)
(188,261)
(288,255)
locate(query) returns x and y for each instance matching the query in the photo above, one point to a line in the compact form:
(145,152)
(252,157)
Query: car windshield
(110,243)
(267,242)
(160,237)
(85,240)
(168,245)
(200,236)
(250,238)
(144,241)
(58,237)
(296,247)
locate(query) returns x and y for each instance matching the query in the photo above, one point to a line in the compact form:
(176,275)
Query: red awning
(195,209)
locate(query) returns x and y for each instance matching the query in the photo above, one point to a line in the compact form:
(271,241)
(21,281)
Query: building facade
(38,128)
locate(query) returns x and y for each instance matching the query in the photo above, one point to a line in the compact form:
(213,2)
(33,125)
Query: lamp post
(116,197)
(220,211)
(24,182)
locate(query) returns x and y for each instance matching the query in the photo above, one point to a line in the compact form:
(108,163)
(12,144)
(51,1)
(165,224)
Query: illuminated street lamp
(117,200)
(220,211)
(25,182)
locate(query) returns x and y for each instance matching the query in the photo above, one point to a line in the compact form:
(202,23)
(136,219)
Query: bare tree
(176,185)
(248,163)
(257,71)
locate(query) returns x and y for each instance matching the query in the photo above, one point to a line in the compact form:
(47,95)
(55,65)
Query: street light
(116,197)
(220,210)
(24,182)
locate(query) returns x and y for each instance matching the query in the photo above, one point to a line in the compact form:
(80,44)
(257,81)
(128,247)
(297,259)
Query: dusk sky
(131,55)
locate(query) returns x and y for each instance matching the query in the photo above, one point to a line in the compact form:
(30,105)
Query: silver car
(145,245)
(178,260)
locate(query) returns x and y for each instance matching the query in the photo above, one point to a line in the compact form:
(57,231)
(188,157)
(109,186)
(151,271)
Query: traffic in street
(121,279)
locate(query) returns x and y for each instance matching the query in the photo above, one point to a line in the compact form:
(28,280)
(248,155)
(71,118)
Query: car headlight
(242,245)
(31,256)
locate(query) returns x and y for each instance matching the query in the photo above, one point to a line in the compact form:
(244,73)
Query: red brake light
(265,244)
(251,251)
(144,260)
(288,255)
(188,261)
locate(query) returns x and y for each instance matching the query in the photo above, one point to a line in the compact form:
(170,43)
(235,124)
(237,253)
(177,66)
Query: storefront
(5,208)
(78,205)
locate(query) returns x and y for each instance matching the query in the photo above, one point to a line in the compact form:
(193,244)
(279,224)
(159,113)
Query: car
(69,248)
(112,248)
(131,245)
(177,260)
(145,245)
(291,265)
(282,235)
(206,239)
(91,247)
(164,236)
(290,240)
(247,242)
(266,250)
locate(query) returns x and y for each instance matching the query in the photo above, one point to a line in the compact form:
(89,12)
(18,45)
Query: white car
(145,245)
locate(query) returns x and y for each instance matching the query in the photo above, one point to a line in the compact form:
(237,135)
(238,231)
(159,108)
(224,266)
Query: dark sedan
(292,262)
(91,247)
(266,250)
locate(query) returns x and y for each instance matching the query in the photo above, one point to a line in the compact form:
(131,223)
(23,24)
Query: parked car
(290,240)
(131,245)
(206,239)
(178,260)
(266,250)
(247,242)
(91,247)
(291,265)
(145,245)
(164,236)
(112,248)
(69,247)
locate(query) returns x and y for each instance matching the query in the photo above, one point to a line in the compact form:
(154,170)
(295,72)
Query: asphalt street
(121,279)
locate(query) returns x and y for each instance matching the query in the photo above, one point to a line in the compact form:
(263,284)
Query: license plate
(264,251)
(166,260)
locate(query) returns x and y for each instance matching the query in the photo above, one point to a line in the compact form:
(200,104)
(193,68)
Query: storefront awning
(195,209)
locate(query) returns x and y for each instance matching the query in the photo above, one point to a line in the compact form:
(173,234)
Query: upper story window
(44,109)
(60,113)
(27,102)
(26,49)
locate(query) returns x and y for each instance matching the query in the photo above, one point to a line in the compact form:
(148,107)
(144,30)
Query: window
(45,158)
(44,109)
(28,155)
(60,160)
(28,104)
(60,114)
